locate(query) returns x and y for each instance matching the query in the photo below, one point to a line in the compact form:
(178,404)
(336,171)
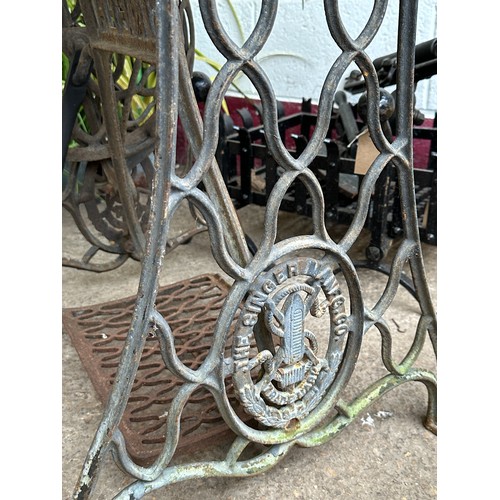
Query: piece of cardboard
(365,154)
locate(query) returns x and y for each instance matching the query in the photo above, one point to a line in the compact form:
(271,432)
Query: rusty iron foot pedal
(98,334)
(286,338)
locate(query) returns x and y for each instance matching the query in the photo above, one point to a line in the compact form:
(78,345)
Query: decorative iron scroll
(292,384)
(109,170)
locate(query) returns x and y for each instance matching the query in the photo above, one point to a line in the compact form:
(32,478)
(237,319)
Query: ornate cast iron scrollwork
(109,168)
(284,376)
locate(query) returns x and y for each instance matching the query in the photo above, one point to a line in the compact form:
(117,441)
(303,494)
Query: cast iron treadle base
(98,334)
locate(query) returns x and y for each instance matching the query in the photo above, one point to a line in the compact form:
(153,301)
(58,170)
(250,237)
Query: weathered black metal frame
(279,271)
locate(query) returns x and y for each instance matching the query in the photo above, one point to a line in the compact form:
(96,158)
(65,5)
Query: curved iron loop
(340,34)
(207,169)
(404,252)
(224,43)
(279,190)
(412,354)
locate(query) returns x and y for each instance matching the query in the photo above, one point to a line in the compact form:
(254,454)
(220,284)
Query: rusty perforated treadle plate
(98,334)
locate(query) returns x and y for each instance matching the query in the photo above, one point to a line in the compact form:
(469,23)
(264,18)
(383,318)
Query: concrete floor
(386,453)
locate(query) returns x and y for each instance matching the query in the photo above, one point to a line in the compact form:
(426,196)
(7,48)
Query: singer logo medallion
(293,376)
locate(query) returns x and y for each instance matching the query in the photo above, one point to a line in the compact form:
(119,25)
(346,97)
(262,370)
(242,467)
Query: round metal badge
(286,381)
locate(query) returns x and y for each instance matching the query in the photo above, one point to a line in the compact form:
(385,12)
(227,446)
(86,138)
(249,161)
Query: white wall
(300,50)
